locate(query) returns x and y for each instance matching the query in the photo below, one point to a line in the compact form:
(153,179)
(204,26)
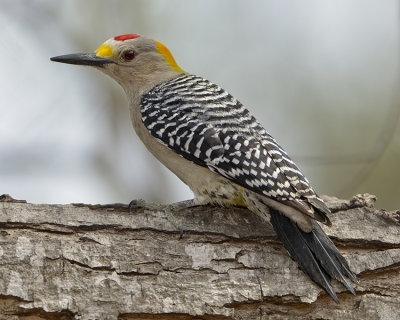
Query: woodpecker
(215,146)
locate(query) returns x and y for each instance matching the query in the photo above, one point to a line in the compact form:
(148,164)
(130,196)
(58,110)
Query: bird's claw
(180,232)
(136,203)
(182,205)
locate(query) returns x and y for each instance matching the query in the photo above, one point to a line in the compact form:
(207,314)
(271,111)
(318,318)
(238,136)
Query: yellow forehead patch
(163,50)
(104,51)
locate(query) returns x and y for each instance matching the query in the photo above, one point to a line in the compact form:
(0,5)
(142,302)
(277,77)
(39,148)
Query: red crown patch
(124,37)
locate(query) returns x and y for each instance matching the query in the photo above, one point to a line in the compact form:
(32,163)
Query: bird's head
(137,63)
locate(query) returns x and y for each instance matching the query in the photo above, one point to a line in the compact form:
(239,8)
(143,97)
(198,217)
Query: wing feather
(206,125)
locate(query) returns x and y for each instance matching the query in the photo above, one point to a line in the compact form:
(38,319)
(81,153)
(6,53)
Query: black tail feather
(315,253)
(333,252)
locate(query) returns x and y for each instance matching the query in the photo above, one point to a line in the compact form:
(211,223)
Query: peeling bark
(83,261)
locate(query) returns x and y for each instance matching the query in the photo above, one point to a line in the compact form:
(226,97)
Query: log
(81,261)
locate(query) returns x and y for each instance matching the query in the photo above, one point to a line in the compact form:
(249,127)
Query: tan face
(131,50)
(137,63)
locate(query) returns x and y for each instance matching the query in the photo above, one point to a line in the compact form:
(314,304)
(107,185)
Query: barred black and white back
(206,125)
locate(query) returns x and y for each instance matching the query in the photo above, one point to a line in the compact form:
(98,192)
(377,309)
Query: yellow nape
(163,50)
(104,51)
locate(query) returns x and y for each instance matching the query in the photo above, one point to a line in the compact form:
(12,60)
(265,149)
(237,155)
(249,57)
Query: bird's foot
(140,203)
(183,205)
(172,208)
(136,203)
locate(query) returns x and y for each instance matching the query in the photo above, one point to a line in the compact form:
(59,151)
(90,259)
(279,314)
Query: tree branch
(83,261)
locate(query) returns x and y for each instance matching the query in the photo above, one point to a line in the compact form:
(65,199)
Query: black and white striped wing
(206,125)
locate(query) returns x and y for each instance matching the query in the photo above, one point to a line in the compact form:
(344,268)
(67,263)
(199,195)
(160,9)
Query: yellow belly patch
(238,201)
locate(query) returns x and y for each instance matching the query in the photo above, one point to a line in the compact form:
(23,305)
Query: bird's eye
(129,55)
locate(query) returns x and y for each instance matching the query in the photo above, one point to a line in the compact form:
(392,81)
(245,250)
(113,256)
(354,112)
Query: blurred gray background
(322,76)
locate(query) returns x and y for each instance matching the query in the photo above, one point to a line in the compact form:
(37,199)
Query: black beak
(83,59)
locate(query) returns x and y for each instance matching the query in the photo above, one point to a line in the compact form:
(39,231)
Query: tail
(315,253)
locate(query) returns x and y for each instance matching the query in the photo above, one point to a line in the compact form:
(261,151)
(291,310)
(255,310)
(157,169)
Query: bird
(211,142)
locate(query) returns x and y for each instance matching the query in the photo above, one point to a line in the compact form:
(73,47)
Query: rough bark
(83,261)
